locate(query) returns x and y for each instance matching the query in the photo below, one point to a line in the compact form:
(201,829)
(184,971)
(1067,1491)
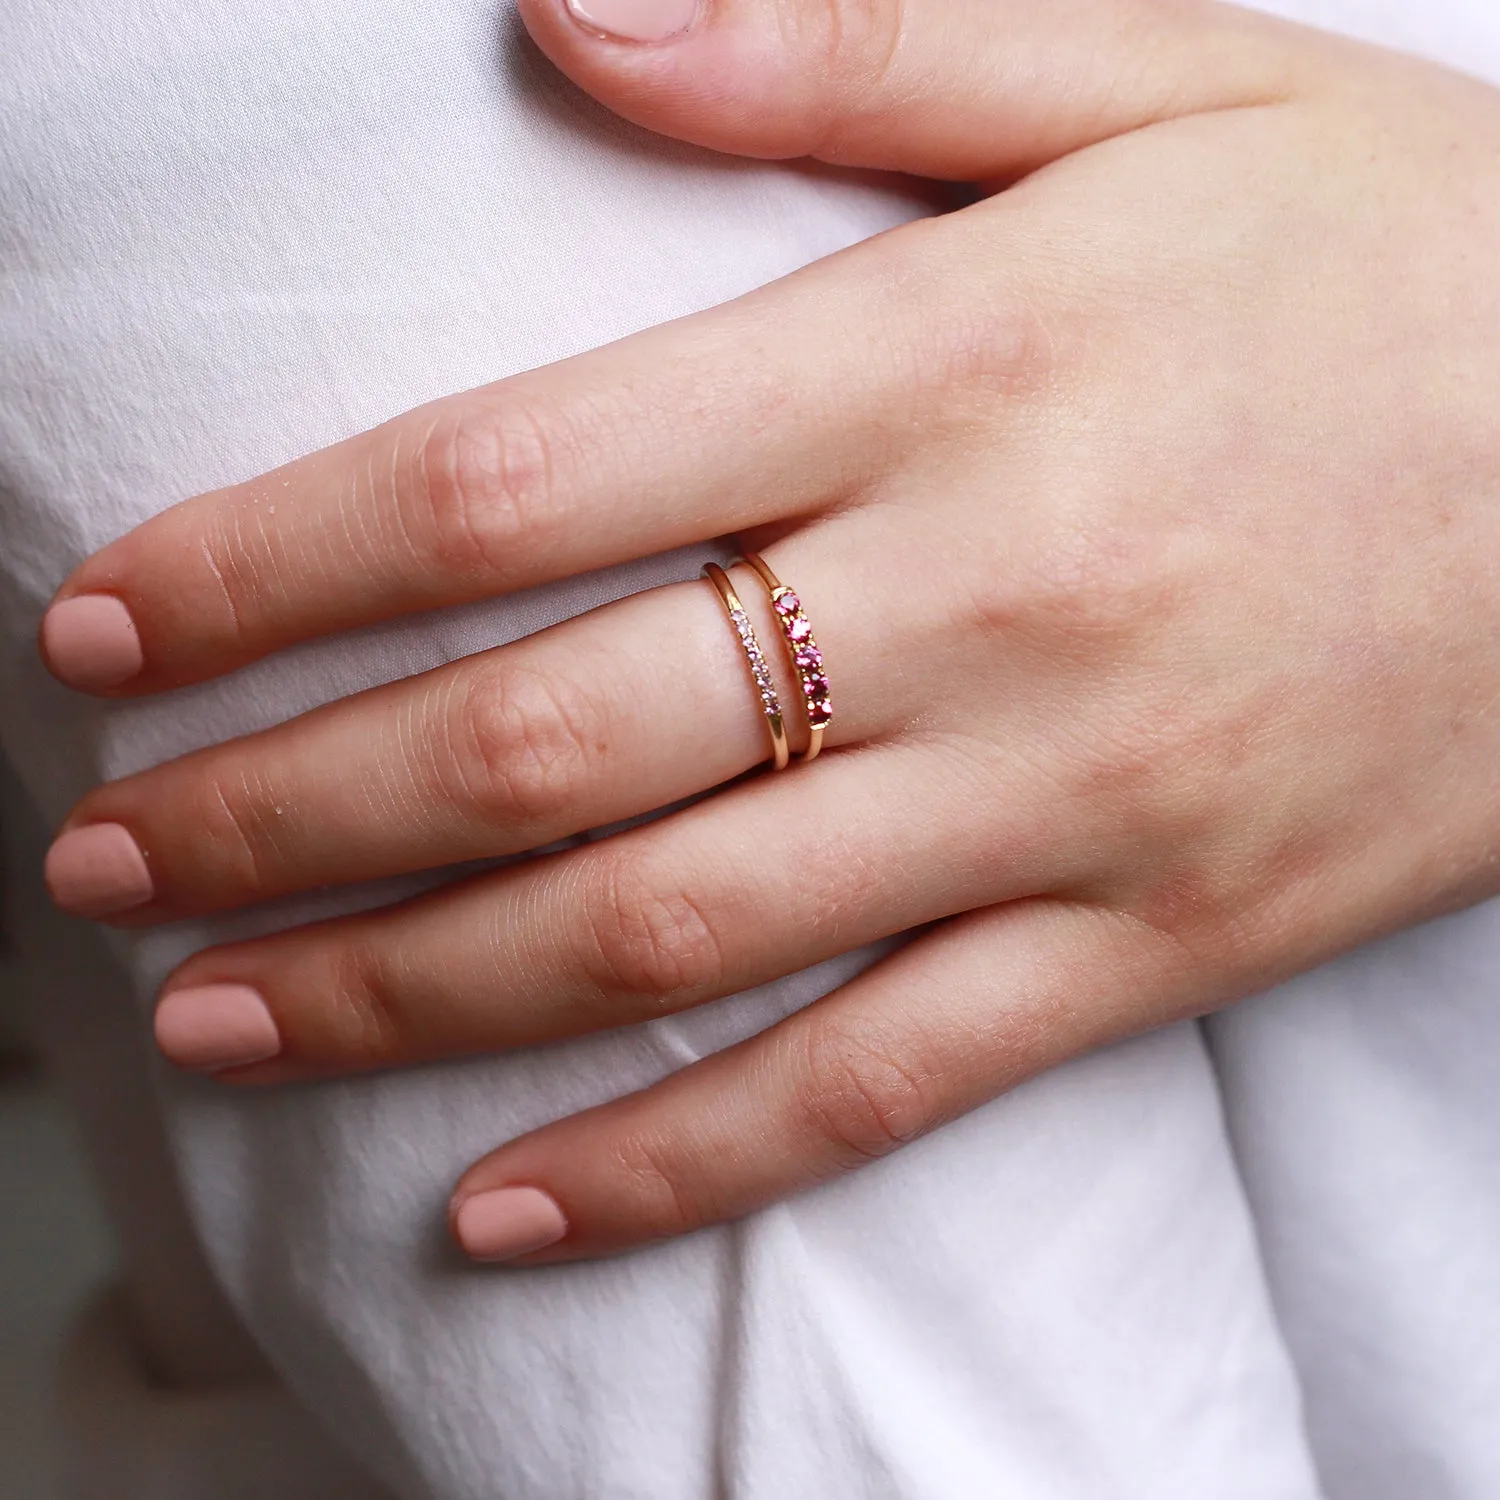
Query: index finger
(676,435)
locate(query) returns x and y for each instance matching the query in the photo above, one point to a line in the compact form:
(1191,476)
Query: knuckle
(648,937)
(240,560)
(522,744)
(857,42)
(861,1097)
(1001,346)
(658,1185)
(237,817)
(1094,581)
(487,484)
(365,1019)
(958,356)
(1081,580)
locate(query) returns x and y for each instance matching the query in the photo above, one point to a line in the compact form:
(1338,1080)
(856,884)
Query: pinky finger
(968,1010)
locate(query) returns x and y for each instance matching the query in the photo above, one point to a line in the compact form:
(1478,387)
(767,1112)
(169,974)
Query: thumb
(965,90)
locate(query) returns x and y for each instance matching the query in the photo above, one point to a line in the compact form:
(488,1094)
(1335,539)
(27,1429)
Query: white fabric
(234,232)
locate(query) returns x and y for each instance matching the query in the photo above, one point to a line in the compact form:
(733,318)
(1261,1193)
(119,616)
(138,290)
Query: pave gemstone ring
(802,649)
(765,684)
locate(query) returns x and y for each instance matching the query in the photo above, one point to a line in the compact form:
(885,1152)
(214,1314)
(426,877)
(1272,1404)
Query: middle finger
(619,712)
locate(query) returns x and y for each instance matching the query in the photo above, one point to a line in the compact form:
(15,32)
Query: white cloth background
(230,233)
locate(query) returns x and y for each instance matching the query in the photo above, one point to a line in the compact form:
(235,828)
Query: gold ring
(764,683)
(806,659)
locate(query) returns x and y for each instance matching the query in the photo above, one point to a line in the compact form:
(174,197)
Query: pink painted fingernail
(91,643)
(507,1222)
(97,871)
(216,1026)
(635,20)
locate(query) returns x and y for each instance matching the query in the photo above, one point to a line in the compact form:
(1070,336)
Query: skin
(1145,512)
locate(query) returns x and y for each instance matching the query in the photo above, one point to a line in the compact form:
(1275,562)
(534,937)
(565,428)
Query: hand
(1146,513)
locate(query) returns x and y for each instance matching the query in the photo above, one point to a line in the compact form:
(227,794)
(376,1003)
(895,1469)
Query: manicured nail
(91,643)
(635,20)
(507,1222)
(97,871)
(216,1026)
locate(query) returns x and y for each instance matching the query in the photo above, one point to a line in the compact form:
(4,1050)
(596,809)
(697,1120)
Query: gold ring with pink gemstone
(802,651)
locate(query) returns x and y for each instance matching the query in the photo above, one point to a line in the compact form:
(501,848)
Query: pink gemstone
(808,657)
(799,629)
(788,604)
(819,714)
(815,687)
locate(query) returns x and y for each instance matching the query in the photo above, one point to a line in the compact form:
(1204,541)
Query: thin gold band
(755,659)
(802,651)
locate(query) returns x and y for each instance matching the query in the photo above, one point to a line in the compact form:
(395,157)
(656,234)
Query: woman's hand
(1147,514)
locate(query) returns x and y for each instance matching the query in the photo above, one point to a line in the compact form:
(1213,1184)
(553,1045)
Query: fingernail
(91,643)
(635,20)
(97,871)
(216,1026)
(507,1222)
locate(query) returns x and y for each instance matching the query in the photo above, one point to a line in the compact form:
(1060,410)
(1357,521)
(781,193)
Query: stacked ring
(764,683)
(802,649)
